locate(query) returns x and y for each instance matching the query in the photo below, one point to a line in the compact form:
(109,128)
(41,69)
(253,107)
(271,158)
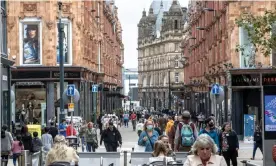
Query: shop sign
(246,80)
(67,74)
(70,107)
(30,74)
(269,79)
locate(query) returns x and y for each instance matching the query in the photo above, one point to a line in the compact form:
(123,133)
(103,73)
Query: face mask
(149,127)
(211,124)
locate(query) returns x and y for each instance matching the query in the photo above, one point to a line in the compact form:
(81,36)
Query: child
(17,147)
(36,143)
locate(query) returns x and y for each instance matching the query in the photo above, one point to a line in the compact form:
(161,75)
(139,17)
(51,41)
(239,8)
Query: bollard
(101,161)
(125,158)
(4,162)
(40,157)
(165,161)
(23,159)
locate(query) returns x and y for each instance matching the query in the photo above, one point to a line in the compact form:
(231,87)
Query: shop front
(37,92)
(249,88)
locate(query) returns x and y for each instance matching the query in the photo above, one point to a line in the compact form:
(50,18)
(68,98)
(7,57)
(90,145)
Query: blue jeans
(83,144)
(15,157)
(90,147)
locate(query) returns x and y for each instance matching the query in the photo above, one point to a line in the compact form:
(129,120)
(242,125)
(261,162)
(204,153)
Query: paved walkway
(130,139)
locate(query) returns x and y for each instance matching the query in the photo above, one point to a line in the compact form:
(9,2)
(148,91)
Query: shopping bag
(138,148)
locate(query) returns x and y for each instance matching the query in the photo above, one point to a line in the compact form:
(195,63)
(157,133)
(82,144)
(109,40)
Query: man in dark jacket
(112,138)
(53,130)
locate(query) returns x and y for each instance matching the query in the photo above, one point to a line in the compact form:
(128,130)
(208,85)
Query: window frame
(31,20)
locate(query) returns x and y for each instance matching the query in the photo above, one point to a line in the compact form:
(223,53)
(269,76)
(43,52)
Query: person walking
(169,125)
(229,144)
(126,119)
(36,143)
(53,131)
(133,118)
(185,134)
(47,140)
(82,135)
(258,141)
(17,148)
(6,145)
(148,137)
(69,128)
(112,138)
(210,130)
(26,138)
(91,138)
(62,128)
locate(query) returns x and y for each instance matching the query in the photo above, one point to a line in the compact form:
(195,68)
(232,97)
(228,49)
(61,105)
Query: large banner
(249,128)
(270,113)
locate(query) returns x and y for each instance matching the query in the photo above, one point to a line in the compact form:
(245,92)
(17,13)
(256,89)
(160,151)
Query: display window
(30,105)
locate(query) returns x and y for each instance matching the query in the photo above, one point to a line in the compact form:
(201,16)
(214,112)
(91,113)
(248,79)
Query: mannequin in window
(22,115)
(30,113)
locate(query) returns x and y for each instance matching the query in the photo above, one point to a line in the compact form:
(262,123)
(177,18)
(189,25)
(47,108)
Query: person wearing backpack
(36,143)
(185,134)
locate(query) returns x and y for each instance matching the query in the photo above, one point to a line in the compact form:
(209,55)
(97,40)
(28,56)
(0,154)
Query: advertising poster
(249,127)
(65,44)
(33,128)
(270,112)
(31,43)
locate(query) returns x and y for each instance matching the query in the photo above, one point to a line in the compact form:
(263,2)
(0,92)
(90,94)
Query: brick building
(209,44)
(93,51)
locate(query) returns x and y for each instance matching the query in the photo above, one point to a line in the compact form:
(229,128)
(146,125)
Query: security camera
(13,57)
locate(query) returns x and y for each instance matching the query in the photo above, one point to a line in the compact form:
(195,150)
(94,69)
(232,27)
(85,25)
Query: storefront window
(30,104)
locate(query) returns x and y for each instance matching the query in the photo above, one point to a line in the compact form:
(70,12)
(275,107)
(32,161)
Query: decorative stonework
(30,7)
(66,7)
(50,24)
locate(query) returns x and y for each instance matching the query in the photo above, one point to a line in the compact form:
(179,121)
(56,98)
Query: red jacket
(68,131)
(133,117)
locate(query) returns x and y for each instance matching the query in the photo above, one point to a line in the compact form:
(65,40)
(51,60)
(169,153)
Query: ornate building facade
(93,54)
(209,51)
(159,66)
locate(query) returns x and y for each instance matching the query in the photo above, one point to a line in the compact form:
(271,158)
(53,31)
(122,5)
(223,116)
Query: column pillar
(50,89)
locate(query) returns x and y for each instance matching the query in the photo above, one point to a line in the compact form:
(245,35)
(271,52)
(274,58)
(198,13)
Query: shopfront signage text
(246,80)
(269,79)
(55,74)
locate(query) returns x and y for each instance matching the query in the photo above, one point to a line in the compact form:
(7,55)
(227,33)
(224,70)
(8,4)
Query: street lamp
(61,61)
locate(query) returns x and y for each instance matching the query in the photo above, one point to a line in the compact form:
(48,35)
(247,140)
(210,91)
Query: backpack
(187,135)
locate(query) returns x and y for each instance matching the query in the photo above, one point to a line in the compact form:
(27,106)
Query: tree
(261,31)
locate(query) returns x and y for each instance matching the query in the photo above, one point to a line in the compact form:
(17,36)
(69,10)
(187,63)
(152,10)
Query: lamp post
(61,61)
(169,77)
(129,92)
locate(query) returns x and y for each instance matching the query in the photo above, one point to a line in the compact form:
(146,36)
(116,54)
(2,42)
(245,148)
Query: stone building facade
(159,66)
(209,49)
(93,54)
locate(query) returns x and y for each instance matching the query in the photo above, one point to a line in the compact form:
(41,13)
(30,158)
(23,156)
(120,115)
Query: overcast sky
(130,12)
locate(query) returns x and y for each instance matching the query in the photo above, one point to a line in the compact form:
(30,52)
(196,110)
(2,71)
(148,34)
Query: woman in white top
(204,153)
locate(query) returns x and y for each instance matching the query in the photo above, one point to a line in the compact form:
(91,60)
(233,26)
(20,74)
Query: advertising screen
(270,112)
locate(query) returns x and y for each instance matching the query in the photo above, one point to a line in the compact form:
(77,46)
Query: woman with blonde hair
(148,137)
(61,152)
(204,153)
